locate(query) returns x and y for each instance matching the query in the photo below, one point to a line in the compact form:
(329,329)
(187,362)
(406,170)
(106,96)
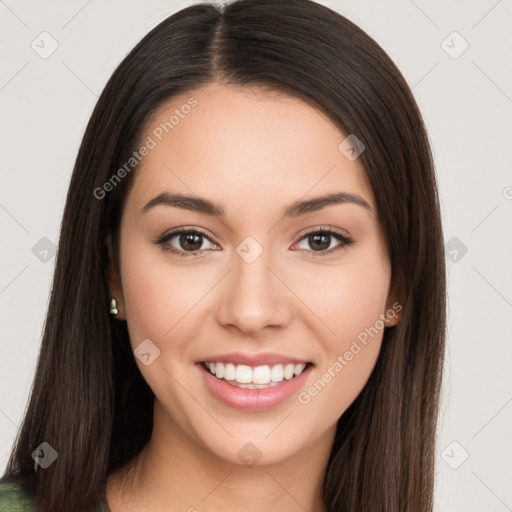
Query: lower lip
(252,399)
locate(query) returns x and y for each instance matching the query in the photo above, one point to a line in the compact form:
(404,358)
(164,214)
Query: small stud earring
(113,307)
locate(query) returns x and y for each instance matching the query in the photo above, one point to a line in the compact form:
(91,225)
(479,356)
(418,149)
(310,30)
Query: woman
(248,307)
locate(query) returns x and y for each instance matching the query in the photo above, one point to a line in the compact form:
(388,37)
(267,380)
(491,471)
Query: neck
(175,472)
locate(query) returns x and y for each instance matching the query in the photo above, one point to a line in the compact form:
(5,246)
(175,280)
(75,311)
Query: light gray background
(467,105)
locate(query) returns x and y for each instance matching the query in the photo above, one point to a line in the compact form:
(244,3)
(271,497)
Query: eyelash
(344,240)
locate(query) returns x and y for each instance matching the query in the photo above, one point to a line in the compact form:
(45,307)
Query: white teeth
(299,369)
(288,371)
(243,373)
(255,377)
(261,375)
(229,371)
(235,384)
(219,371)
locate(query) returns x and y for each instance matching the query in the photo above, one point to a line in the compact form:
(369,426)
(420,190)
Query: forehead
(244,147)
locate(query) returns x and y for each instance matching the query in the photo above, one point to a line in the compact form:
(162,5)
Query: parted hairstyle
(88,398)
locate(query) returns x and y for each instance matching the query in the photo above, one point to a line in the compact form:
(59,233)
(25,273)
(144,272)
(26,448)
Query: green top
(14,499)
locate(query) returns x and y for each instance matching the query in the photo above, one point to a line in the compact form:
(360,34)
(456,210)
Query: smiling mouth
(254,377)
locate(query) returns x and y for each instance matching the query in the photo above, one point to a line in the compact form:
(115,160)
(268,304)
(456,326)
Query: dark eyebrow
(186,202)
(318,203)
(295,209)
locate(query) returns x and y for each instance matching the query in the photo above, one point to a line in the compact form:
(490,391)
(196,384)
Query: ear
(114,284)
(394,308)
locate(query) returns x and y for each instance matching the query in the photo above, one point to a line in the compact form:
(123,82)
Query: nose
(254,295)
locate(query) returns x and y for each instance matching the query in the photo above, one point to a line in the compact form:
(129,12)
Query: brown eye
(190,241)
(187,241)
(320,241)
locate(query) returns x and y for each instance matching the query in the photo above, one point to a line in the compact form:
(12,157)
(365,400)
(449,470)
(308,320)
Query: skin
(253,153)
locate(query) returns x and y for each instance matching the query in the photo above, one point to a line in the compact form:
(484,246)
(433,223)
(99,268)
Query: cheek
(350,302)
(350,298)
(156,295)
(159,300)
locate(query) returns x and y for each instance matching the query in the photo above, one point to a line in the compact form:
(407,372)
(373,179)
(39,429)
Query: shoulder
(14,499)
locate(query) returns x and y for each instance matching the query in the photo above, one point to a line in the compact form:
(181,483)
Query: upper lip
(267,358)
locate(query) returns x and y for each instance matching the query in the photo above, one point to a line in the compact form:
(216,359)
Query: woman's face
(263,287)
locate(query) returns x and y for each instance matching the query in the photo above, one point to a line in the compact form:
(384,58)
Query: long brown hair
(88,398)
